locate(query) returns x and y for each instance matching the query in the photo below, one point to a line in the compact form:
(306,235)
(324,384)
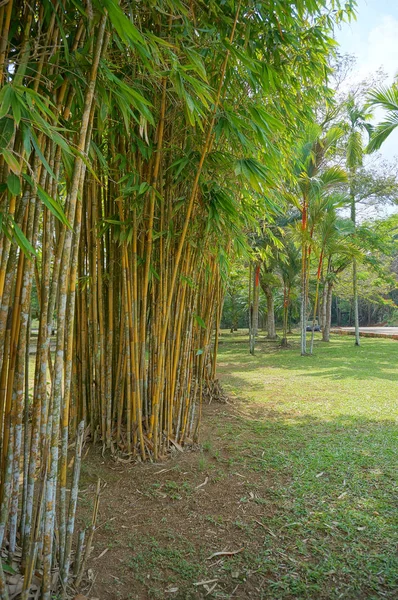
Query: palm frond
(381,132)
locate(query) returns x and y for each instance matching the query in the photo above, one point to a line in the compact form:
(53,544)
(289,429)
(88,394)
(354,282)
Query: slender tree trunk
(303,312)
(271,329)
(256,300)
(286,302)
(329,296)
(304,278)
(355,299)
(323,305)
(354,265)
(318,279)
(251,350)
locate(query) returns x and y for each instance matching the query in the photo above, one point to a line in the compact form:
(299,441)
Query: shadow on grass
(329,497)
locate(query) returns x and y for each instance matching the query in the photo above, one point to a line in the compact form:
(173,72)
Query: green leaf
(6,95)
(16,108)
(22,240)
(53,206)
(143,188)
(154,273)
(196,63)
(200,321)
(254,172)
(127,32)
(129,95)
(11,160)
(8,569)
(41,156)
(14,185)
(6,131)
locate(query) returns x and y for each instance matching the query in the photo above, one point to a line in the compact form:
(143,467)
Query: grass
(179,560)
(298,474)
(323,430)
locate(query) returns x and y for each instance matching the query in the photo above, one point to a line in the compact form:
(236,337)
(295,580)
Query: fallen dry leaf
(177,445)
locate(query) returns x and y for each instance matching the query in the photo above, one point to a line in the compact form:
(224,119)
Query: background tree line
(322,258)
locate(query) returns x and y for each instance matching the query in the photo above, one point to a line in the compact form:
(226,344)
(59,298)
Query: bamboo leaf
(14,185)
(8,569)
(12,161)
(53,206)
(200,321)
(126,29)
(16,108)
(22,240)
(6,131)
(6,95)
(41,156)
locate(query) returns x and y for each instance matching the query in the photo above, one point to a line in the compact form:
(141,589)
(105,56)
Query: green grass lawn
(296,476)
(322,433)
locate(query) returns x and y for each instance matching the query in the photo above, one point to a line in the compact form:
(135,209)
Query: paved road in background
(391,332)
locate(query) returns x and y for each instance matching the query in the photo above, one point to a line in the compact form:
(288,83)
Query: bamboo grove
(137,143)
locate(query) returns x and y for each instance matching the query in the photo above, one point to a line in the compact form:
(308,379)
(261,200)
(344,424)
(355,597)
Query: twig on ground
(202,484)
(205,582)
(225,553)
(266,528)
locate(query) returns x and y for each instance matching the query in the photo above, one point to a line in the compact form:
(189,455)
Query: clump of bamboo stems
(124,186)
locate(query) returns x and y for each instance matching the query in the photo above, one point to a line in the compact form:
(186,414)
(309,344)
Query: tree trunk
(256,298)
(329,296)
(271,329)
(354,269)
(250,308)
(286,298)
(356,308)
(323,306)
(303,307)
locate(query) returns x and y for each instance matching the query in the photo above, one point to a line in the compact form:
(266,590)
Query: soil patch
(160,523)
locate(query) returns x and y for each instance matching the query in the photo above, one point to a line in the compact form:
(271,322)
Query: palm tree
(313,178)
(332,239)
(289,270)
(265,243)
(357,123)
(341,253)
(272,247)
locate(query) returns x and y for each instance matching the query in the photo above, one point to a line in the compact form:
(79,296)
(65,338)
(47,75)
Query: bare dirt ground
(161,523)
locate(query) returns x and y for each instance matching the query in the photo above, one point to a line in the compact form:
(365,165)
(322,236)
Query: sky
(373,39)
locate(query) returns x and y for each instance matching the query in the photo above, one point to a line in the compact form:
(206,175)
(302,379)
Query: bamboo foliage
(135,147)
